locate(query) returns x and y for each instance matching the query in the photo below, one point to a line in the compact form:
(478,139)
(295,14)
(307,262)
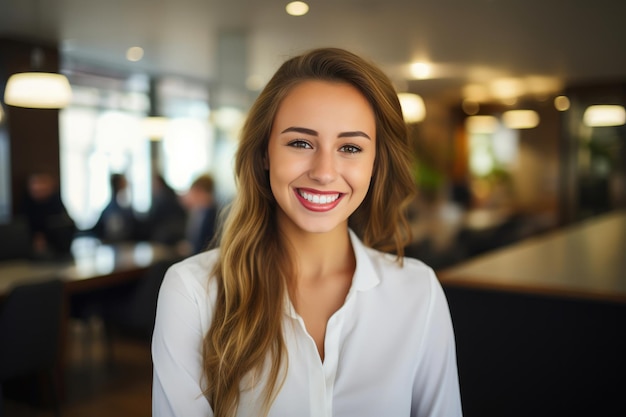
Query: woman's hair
(245,339)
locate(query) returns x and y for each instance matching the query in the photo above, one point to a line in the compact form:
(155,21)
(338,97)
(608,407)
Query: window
(100,134)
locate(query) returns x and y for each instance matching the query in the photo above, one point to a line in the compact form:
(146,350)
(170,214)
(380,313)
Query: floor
(99,384)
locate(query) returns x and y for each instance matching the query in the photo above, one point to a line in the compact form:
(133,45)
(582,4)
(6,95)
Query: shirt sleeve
(436,390)
(176,349)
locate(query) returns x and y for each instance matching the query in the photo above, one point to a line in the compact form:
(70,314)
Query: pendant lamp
(413,109)
(38,90)
(604,115)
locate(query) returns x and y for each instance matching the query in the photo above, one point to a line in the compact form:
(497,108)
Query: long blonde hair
(254,263)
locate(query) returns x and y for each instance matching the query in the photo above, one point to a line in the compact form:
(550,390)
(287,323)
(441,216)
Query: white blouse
(389,350)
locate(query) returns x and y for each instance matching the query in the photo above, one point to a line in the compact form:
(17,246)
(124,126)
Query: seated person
(117,222)
(166,218)
(51,227)
(202,214)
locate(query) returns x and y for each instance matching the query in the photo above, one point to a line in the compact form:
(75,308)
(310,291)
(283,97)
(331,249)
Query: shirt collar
(365,276)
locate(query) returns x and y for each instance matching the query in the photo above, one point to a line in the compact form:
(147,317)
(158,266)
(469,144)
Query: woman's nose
(323,169)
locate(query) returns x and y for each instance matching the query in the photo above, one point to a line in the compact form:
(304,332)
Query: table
(94,265)
(586,260)
(540,324)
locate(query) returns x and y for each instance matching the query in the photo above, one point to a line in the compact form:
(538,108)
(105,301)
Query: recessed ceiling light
(561,103)
(297,8)
(421,70)
(134,53)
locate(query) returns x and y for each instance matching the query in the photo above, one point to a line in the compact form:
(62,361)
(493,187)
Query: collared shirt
(389,350)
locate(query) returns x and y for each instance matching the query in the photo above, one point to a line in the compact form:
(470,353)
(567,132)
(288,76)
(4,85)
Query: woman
(297,313)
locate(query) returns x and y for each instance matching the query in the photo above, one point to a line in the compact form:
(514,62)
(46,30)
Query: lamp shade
(38,90)
(520,119)
(604,115)
(413,109)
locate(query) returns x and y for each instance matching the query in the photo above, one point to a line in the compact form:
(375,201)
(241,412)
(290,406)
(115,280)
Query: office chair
(30,334)
(133,313)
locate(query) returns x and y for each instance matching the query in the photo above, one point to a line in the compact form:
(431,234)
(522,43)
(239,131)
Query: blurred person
(308,306)
(51,227)
(202,214)
(167,217)
(117,222)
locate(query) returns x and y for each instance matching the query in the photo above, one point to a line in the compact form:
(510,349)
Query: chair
(30,334)
(15,242)
(133,313)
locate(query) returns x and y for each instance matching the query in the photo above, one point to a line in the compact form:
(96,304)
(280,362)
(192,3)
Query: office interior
(507,150)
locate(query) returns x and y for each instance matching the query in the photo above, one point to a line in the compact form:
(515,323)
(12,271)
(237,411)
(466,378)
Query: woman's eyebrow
(303,130)
(354,134)
(312,132)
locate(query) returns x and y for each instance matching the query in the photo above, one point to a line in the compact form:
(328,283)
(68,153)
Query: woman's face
(321,155)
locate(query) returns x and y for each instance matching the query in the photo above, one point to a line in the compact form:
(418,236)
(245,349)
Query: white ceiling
(467,40)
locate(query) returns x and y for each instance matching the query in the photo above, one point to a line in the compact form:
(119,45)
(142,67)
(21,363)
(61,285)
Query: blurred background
(515,107)
(194,67)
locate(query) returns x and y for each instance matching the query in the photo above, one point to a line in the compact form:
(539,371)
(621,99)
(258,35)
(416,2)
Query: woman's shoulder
(192,274)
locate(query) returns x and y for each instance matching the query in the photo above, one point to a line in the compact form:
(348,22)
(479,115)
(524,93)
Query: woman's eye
(350,149)
(299,144)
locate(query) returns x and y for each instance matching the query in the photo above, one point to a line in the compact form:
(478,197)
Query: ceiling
(467,41)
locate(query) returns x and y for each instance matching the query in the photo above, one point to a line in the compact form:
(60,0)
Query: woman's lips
(318,201)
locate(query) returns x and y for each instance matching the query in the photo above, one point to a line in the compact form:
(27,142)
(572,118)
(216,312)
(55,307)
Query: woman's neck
(321,255)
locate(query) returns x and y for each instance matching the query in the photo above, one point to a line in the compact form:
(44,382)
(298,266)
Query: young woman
(300,312)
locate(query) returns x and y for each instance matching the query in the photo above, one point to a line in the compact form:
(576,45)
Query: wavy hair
(245,341)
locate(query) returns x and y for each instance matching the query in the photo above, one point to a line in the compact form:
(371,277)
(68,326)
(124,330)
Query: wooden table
(94,266)
(540,325)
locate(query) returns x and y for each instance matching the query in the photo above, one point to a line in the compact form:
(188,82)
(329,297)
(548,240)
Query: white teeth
(319,199)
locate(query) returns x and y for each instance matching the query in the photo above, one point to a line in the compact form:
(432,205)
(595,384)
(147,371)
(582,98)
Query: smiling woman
(320,173)
(299,311)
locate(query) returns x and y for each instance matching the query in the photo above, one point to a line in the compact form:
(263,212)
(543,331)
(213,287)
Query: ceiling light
(38,90)
(481,124)
(604,115)
(520,119)
(413,109)
(561,103)
(134,53)
(297,8)
(421,70)
(507,88)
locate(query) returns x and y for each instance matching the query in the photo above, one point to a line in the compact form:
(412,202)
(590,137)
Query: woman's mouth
(317,201)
